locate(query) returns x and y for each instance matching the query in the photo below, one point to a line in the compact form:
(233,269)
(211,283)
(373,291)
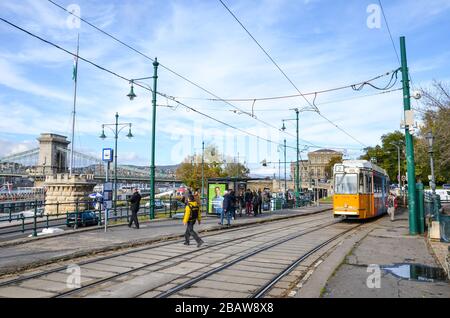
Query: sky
(319,44)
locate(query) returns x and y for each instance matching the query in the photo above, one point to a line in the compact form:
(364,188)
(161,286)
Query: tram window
(346,183)
(377,184)
(361,183)
(368,184)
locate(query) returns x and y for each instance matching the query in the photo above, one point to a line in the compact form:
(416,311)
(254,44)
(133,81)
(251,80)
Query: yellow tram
(361,189)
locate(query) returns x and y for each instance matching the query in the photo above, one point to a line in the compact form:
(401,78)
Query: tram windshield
(346,184)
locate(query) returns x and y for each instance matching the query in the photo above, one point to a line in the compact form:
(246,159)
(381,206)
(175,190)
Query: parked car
(85,218)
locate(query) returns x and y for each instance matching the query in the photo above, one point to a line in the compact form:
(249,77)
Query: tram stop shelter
(217,187)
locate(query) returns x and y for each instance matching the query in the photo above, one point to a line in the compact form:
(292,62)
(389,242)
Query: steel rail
(106,279)
(194,280)
(62,268)
(263,290)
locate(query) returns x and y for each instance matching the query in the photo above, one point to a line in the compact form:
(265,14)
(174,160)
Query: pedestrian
(255,203)
(191,215)
(233,205)
(227,208)
(260,201)
(135,201)
(241,202)
(392,205)
(248,201)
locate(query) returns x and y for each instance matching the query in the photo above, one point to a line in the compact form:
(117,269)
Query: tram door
(365,191)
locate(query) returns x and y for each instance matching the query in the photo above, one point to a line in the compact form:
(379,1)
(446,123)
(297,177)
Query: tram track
(15,282)
(265,288)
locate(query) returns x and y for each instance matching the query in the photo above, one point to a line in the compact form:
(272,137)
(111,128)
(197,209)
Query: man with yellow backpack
(191,215)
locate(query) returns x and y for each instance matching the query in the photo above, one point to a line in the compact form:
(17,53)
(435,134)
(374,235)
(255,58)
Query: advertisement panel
(216,192)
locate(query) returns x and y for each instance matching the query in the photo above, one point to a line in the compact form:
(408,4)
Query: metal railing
(33,216)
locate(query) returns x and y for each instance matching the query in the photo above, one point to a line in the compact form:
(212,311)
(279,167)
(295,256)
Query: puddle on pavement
(417,272)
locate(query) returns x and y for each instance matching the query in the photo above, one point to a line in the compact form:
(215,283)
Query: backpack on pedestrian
(194,212)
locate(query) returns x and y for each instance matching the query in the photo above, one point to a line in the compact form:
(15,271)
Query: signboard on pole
(107,155)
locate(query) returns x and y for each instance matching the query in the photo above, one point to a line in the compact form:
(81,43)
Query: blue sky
(319,44)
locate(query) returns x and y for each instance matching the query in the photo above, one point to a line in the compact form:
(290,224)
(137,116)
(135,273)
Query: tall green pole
(203,170)
(297,192)
(413,226)
(116,135)
(152,166)
(285,173)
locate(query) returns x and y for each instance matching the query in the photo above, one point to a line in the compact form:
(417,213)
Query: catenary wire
(163,66)
(279,68)
(135,83)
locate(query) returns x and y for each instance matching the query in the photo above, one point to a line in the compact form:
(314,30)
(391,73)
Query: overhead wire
(254,99)
(290,81)
(135,83)
(161,65)
(390,34)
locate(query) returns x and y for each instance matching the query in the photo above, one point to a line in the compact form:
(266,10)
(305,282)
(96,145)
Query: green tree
(235,169)
(215,166)
(436,118)
(386,155)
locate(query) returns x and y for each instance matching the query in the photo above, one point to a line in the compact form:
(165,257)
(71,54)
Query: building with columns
(315,166)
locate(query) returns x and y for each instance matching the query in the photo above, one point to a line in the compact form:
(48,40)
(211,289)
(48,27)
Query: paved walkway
(38,251)
(386,244)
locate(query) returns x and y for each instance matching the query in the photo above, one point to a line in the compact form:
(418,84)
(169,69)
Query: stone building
(315,166)
(63,191)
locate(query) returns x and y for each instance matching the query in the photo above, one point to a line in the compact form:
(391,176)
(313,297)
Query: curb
(136,243)
(78,230)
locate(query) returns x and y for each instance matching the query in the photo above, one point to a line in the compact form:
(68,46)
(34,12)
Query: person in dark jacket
(228,207)
(192,214)
(248,197)
(260,201)
(135,201)
(255,203)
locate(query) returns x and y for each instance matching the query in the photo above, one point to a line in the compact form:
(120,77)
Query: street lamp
(297,181)
(116,132)
(430,139)
(132,96)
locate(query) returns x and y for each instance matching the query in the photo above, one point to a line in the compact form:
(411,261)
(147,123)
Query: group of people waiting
(248,202)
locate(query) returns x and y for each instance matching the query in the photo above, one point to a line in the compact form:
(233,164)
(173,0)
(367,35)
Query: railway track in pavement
(119,266)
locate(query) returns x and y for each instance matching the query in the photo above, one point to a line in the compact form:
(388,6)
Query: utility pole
(413,218)
(116,135)
(152,166)
(285,175)
(203,170)
(75,79)
(298,182)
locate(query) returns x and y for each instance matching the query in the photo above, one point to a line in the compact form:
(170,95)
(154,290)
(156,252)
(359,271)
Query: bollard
(57,208)
(47,220)
(420,207)
(34,219)
(99,216)
(75,224)
(23,223)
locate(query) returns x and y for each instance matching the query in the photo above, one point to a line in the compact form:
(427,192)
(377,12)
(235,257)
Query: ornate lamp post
(430,139)
(132,96)
(116,130)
